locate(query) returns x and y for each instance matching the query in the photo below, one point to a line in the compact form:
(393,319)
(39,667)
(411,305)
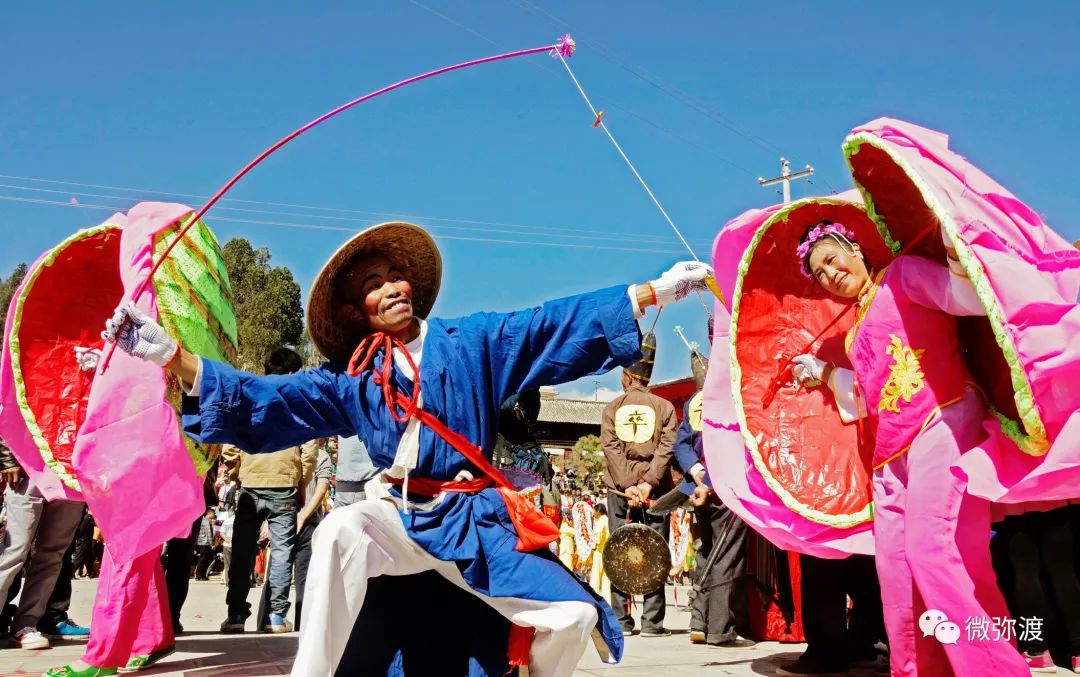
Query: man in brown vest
(638,430)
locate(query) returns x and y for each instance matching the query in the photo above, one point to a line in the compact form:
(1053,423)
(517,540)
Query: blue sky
(704,96)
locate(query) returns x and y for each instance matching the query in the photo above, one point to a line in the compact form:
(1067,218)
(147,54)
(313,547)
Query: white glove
(948,242)
(683,278)
(139,335)
(808,368)
(87,358)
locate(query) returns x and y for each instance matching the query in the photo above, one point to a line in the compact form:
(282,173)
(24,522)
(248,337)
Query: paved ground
(205,653)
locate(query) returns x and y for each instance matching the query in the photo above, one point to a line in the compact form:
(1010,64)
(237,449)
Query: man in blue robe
(434,508)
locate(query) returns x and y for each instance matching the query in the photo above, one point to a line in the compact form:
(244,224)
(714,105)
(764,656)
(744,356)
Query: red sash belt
(425,486)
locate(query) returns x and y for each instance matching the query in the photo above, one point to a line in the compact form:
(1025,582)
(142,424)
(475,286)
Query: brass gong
(637,559)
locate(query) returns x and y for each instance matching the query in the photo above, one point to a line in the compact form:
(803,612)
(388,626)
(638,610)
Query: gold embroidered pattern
(906,377)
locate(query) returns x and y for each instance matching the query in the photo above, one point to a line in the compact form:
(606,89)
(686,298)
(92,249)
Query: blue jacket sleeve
(560,341)
(687,449)
(685,453)
(269,413)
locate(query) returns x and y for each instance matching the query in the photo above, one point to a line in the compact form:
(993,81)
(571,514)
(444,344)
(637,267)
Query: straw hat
(408,246)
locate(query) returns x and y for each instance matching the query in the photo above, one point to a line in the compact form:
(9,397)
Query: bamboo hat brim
(408,246)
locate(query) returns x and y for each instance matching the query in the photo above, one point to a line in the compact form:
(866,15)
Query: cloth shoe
(68,671)
(233,624)
(1076,664)
(30,638)
(655,632)
(277,623)
(65,629)
(137,663)
(737,643)
(1040,662)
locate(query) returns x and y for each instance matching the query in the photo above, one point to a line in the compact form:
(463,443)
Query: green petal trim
(91,671)
(844,521)
(32,426)
(1033,439)
(195,292)
(195,304)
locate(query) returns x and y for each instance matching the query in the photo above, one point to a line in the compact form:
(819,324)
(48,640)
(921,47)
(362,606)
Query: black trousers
(831,636)
(7,615)
(204,556)
(82,558)
(720,606)
(655,604)
(179,554)
(1035,558)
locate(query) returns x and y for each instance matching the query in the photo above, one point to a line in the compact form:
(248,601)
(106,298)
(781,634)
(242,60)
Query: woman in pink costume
(132,624)
(915,396)
(136,471)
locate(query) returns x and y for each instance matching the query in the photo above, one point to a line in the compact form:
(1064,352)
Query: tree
(586,459)
(310,354)
(7,290)
(266,300)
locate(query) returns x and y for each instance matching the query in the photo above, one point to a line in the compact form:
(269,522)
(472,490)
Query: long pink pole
(564,46)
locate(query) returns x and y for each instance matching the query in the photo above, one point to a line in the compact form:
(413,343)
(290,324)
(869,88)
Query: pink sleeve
(936,286)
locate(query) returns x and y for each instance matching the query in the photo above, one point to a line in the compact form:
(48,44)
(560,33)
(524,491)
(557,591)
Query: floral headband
(819,231)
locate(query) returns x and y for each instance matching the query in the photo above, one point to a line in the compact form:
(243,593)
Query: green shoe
(139,662)
(68,671)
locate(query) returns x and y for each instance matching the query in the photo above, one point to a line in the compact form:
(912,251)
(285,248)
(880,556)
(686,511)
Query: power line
(594,235)
(460,25)
(146,193)
(311,226)
(828,185)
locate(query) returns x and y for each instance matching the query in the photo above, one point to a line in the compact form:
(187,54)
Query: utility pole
(786,177)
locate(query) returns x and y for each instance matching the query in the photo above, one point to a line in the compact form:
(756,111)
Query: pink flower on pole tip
(566,46)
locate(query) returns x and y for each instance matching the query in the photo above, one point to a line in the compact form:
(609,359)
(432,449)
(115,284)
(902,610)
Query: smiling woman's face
(837,269)
(376,289)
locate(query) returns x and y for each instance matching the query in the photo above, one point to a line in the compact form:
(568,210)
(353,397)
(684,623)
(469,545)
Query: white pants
(367,539)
